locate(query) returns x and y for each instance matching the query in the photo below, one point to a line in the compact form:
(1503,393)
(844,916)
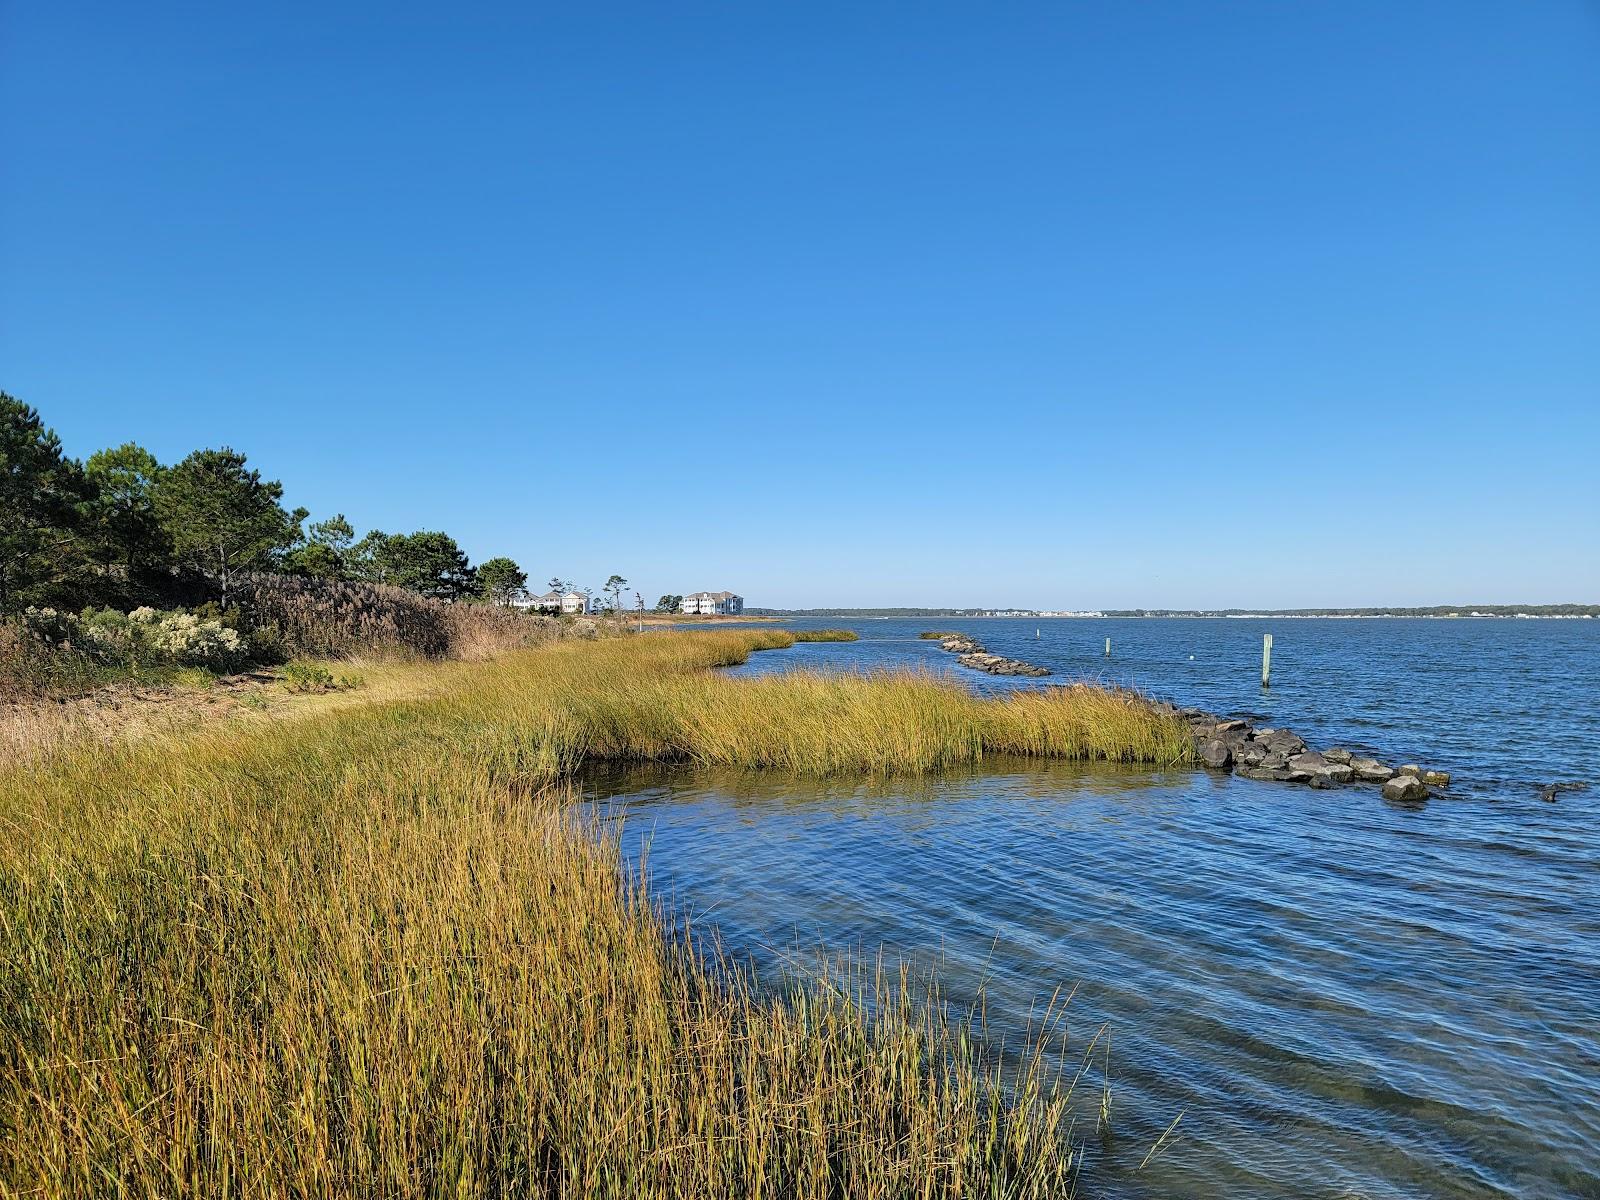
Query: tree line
(120,529)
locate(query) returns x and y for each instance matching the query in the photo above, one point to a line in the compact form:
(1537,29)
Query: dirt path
(35,727)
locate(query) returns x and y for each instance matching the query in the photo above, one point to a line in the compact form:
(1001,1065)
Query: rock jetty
(1238,745)
(969,652)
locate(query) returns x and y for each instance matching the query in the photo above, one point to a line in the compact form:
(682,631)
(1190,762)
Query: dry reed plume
(327,618)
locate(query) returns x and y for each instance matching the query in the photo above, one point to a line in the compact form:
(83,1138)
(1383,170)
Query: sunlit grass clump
(253,972)
(824,635)
(363,953)
(655,699)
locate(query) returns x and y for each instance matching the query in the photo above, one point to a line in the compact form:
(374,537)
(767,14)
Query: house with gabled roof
(560,602)
(713,604)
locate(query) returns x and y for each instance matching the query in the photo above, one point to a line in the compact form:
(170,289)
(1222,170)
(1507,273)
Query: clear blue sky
(1050,305)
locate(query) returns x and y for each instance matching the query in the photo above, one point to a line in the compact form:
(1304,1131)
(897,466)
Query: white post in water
(1266,660)
(1108,647)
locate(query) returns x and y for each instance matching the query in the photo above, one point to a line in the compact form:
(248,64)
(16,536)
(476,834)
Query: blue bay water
(1339,996)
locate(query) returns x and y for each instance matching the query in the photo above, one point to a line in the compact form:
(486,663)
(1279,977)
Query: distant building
(559,602)
(713,604)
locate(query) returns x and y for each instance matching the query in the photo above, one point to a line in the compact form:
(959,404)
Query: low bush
(299,676)
(143,637)
(30,666)
(307,677)
(181,638)
(51,652)
(194,679)
(280,618)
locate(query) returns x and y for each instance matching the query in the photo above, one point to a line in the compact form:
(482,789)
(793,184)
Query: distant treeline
(1437,610)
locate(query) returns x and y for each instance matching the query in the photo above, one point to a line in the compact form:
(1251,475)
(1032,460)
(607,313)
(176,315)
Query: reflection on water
(1343,998)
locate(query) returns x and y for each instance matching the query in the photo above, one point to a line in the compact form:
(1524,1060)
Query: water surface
(1341,996)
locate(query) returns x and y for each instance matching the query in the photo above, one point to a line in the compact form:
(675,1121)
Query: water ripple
(1345,998)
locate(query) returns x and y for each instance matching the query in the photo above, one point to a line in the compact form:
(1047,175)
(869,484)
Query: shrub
(195,679)
(31,666)
(146,636)
(188,640)
(324,618)
(307,677)
(53,651)
(51,626)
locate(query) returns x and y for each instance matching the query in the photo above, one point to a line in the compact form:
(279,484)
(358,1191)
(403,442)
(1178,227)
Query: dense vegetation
(364,954)
(122,530)
(121,569)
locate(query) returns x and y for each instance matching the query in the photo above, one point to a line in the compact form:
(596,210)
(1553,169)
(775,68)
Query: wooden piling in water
(1266,660)
(1108,647)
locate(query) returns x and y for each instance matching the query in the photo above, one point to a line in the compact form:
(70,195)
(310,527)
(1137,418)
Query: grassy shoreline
(366,953)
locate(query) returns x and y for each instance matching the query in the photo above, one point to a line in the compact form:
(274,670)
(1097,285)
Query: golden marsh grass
(370,953)
(656,698)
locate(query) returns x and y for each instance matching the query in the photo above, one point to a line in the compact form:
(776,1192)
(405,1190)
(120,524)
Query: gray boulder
(1337,756)
(1216,754)
(1370,770)
(1432,778)
(1405,788)
(1286,741)
(1276,774)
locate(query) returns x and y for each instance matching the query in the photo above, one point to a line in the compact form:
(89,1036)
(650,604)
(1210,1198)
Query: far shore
(692,619)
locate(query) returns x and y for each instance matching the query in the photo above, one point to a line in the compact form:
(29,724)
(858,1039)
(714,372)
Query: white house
(713,604)
(553,602)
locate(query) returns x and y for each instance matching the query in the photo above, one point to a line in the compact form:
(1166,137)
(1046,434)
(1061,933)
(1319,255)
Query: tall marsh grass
(367,954)
(326,618)
(656,698)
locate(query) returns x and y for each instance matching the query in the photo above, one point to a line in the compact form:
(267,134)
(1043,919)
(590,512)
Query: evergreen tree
(223,518)
(427,562)
(126,529)
(44,498)
(500,581)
